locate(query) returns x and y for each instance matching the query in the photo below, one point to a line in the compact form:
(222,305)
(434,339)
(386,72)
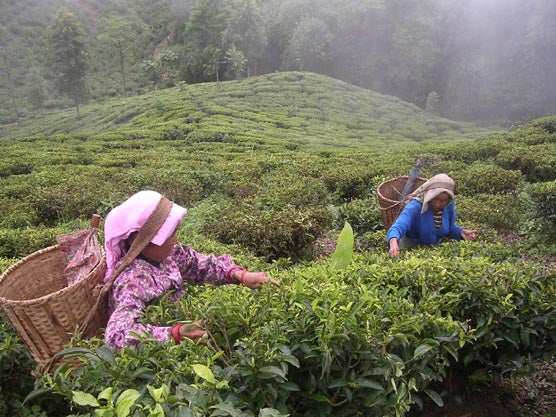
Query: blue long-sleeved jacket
(420,227)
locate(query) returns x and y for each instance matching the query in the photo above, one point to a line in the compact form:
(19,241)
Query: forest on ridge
(483,60)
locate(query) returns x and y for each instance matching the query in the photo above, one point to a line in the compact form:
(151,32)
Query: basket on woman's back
(48,295)
(390,198)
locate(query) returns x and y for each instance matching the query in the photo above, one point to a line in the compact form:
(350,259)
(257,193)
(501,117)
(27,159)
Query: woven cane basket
(44,310)
(388,193)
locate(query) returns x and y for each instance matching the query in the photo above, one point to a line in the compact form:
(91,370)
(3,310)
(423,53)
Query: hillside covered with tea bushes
(273,183)
(288,107)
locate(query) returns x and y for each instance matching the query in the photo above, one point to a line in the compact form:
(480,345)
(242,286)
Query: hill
(293,107)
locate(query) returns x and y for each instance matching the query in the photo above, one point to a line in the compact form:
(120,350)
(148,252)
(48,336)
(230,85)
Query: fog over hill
(478,60)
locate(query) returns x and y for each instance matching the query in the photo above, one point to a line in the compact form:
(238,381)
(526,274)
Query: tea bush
(497,211)
(266,167)
(368,340)
(15,243)
(537,163)
(486,179)
(544,206)
(271,233)
(362,215)
(15,365)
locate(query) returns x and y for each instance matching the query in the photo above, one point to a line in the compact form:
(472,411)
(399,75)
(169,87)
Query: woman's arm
(203,269)
(455,231)
(128,298)
(400,227)
(404,221)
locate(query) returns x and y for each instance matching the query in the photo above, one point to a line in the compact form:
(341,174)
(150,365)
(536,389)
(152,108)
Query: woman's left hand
(468,234)
(253,280)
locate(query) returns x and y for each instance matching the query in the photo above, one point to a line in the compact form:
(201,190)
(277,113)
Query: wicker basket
(388,193)
(44,310)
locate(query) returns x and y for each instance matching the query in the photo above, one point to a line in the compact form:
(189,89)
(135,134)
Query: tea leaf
(84,398)
(272,370)
(421,350)
(435,397)
(204,372)
(343,254)
(125,402)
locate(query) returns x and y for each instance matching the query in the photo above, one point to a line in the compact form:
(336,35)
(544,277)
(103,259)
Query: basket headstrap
(143,238)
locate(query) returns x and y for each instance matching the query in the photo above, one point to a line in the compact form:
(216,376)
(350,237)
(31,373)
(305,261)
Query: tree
(309,47)
(117,38)
(36,90)
(170,65)
(203,49)
(432,102)
(7,69)
(236,62)
(245,31)
(68,57)
(152,72)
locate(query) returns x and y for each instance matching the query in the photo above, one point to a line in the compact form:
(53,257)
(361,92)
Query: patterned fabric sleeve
(203,269)
(131,291)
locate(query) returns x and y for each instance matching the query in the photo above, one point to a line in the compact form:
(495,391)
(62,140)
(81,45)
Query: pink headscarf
(129,217)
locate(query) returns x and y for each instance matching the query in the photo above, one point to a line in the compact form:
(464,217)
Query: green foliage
(486,179)
(362,215)
(544,206)
(68,56)
(266,168)
(537,162)
(271,233)
(497,211)
(373,335)
(294,108)
(16,365)
(21,242)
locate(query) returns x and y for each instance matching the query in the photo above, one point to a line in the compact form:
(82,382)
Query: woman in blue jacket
(429,216)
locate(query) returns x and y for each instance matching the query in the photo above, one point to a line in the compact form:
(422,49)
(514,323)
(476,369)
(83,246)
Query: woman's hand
(194,331)
(468,234)
(253,280)
(394,247)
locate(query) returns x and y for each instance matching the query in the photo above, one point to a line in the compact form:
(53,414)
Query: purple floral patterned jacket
(143,281)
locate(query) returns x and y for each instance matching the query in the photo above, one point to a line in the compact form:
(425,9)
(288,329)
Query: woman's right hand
(468,235)
(394,247)
(193,331)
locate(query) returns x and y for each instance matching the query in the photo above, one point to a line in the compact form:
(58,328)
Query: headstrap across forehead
(446,185)
(147,232)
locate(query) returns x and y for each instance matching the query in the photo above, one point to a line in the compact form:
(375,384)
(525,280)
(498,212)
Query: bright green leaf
(125,402)
(344,248)
(84,398)
(204,372)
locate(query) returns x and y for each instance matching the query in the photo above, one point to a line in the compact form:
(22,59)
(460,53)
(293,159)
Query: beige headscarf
(435,186)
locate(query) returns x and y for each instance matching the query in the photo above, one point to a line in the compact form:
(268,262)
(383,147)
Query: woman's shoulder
(414,205)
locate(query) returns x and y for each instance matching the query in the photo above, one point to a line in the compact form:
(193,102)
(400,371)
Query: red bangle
(176,332)
(229,275)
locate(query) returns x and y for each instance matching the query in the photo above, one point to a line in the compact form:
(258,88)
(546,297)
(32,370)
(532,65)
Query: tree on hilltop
(245,31)
(203,49)
(67,56)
